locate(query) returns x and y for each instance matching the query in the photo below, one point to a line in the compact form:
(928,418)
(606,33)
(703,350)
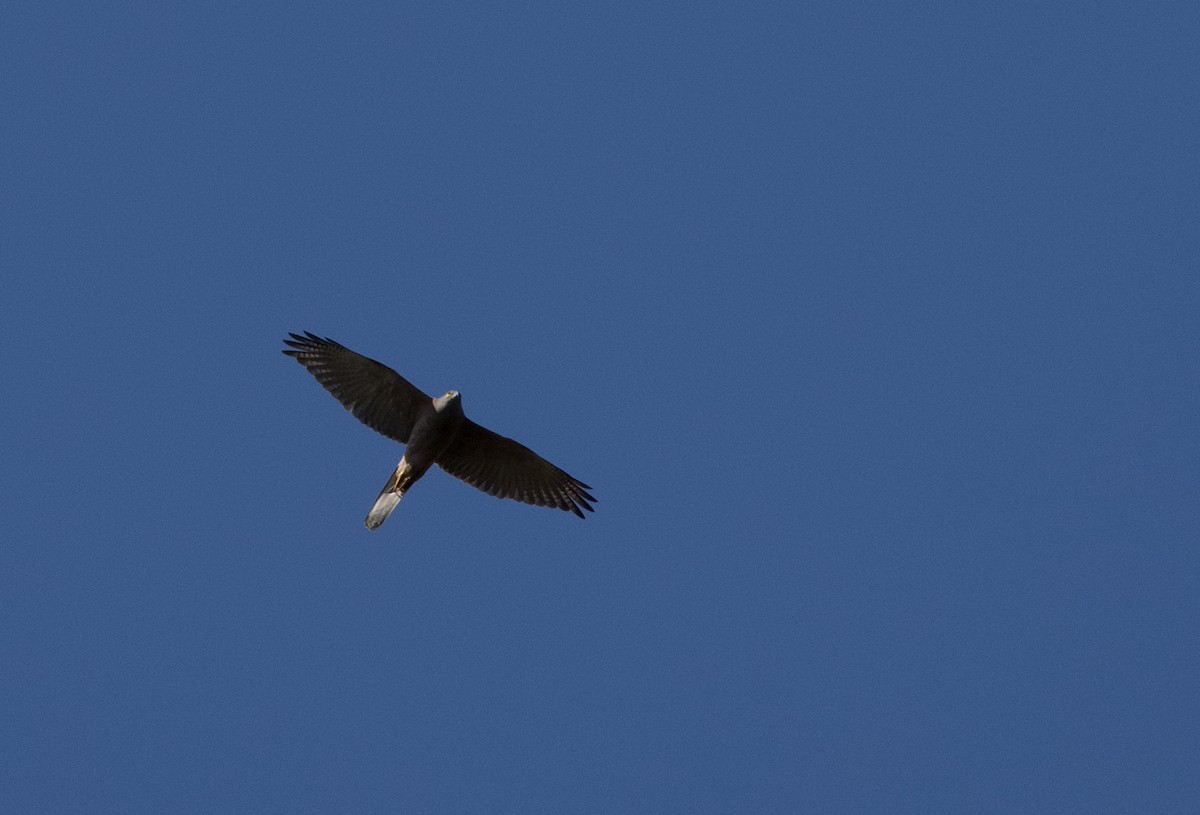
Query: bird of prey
(435,431)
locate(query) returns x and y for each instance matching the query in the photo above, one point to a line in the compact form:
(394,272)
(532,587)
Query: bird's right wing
(377,396)
(507,469)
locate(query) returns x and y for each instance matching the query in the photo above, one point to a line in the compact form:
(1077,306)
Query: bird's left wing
(377,396)
(507,469)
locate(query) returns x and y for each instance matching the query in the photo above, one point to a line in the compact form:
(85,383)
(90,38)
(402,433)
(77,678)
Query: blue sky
(874,329)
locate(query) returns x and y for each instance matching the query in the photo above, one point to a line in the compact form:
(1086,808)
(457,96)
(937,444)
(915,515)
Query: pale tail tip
(384,505)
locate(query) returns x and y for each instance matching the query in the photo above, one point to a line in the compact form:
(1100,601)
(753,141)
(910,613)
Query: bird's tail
(390,495)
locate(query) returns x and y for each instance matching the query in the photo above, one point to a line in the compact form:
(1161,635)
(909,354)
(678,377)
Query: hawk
(435,431)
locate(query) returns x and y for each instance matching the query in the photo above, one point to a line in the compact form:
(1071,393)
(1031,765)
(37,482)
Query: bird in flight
(435,431)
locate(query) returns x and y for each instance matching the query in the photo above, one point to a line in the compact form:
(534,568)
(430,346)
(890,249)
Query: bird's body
(432,433)
(435,431)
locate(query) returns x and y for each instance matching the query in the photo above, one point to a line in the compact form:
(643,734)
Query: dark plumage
(435,432)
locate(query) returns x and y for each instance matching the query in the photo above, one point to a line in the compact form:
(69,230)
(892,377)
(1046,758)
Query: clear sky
(874,329)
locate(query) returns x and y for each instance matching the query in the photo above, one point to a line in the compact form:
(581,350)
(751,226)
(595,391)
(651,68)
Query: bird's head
(449,399)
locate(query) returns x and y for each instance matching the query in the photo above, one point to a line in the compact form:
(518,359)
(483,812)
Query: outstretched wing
(507,469)
(377,396)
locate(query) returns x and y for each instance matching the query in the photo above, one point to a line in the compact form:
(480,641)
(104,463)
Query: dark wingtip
(580,497)
(307,341)
(581,500)
(296,342)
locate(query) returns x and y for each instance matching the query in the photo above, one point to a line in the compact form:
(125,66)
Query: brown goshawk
(435,431)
